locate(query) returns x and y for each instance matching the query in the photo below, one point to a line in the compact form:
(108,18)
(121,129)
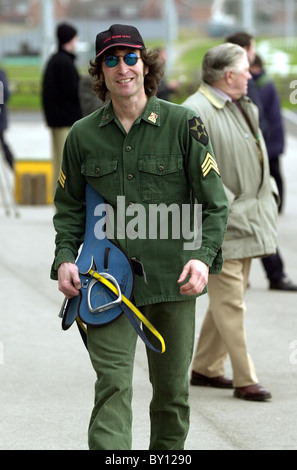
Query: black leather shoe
(216,382)
(284,284)
(253,393)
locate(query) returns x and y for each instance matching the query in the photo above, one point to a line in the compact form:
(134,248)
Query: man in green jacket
(232,121)
(151,153)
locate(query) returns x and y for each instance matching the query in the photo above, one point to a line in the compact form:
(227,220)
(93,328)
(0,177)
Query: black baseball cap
(118,35)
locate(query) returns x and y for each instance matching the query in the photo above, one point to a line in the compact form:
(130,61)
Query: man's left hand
(198,272)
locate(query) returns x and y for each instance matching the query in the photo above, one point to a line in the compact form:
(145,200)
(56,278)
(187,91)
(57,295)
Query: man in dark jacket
(3,118)
(275,135)
(60,95)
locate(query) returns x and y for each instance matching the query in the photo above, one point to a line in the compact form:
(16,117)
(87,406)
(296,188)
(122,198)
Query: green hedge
(25,73)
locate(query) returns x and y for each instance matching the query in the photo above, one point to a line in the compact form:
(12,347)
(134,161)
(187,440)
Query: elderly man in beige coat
(232,121)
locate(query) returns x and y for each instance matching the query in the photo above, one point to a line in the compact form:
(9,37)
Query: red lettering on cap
(117,37)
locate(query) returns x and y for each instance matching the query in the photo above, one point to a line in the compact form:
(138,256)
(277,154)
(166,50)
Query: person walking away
(89,101)
(275,136)
(166,87)
(4,97)
(274,265)
(60,93)
(232,121)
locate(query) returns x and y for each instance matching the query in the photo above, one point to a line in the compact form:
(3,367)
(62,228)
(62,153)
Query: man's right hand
(69,281)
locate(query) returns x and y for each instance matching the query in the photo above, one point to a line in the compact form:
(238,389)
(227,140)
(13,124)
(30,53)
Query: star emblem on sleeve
(198,130)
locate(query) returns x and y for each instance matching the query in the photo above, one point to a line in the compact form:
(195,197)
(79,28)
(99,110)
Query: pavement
(47,382)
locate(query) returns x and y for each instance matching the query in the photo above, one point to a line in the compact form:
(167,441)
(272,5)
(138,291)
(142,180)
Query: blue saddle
(96,304)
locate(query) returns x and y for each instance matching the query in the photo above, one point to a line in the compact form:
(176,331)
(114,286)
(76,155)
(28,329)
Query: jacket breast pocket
(102,174)
(162,179)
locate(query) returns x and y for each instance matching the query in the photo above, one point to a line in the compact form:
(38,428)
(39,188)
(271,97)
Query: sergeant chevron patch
(208,165)
(62,179)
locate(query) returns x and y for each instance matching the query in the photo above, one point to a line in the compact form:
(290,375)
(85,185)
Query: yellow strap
(131,306)
(81,324)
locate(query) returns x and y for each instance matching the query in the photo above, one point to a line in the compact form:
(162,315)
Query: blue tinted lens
(130,59)
(111,61)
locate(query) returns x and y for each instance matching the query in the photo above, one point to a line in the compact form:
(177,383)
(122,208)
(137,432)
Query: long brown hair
(151,80)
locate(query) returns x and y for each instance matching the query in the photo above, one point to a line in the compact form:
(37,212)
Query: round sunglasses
(130,59)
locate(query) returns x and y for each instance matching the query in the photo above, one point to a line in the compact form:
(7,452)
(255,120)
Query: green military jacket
(165,161)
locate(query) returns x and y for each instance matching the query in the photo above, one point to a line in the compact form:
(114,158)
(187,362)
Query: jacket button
(161,168)
(97,170)
(130,177)
(128,148)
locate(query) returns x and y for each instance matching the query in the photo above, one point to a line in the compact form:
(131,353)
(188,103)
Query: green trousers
(112,351)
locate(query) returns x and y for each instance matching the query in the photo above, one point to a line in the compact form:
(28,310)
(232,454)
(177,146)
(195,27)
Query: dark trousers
(274,265)
(7,152)
(275,171)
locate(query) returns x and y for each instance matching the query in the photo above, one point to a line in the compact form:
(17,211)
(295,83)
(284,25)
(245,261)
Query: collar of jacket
(215,98)
(70,54)
(151,113)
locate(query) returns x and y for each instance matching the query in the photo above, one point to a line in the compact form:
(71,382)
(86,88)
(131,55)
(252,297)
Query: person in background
(166,88)
(89,101)
(248,43)
(232,121)
(4,97)
(275,135)
(270,118)
(60,93)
